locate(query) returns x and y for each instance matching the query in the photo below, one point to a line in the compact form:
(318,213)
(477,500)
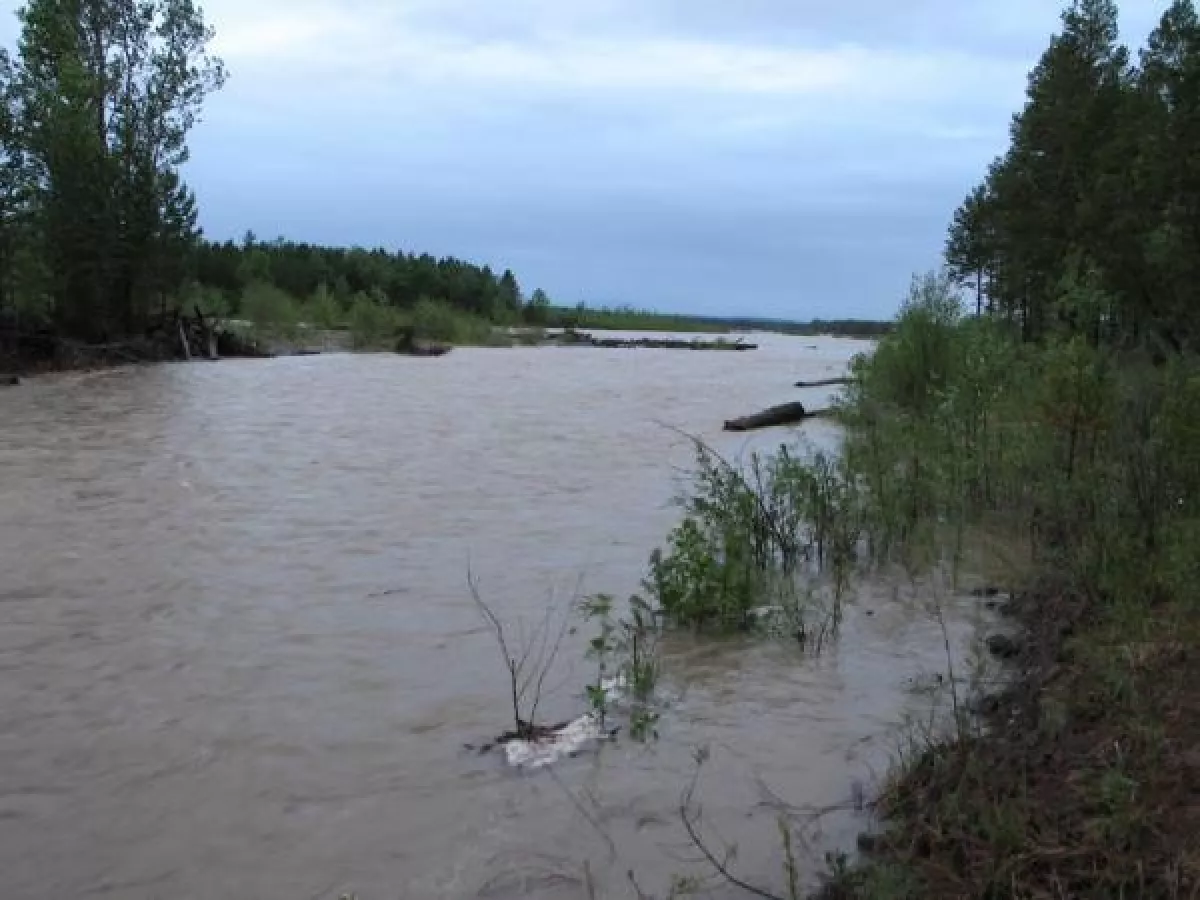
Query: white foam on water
(566,741)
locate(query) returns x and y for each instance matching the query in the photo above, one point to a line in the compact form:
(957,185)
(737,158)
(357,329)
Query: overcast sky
(791,158)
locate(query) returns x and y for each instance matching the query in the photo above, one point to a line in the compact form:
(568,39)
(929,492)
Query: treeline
(98,232)
(99,238)
(630,319)
(1098,197)
(229,278)
(394,279)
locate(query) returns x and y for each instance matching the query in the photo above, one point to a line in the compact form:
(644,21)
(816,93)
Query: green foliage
(1097,178)
(209,301)
(322,309)
(397,280)
(372,323)
(437,320)
(1084,453)
(97,107)
(538,310)
(621,318)
(269,309)
(754,542)
(541,311)
(626,653)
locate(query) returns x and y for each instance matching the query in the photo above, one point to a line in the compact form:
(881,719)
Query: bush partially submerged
(758,545)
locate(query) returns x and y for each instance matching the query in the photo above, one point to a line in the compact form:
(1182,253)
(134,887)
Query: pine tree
(104,93)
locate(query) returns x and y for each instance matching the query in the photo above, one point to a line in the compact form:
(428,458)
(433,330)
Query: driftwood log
(574,338)
(828,382)
(784,414)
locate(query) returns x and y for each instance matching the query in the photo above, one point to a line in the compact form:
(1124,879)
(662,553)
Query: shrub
(372,324)
(322,309)
(436,320)
(269,308)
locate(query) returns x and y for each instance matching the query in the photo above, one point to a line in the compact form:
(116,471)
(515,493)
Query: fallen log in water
(583,339)
(828,382)
(784,414)
(9,380)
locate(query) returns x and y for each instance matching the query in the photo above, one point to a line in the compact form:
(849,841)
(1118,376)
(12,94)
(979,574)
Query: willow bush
(1085,453)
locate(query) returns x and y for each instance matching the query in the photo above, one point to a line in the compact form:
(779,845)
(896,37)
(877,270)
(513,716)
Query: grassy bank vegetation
(369,320)
(1078,782)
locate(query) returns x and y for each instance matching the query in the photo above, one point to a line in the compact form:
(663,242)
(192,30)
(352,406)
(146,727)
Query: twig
(941,620)
(582,810)
(722,868)
(528,671)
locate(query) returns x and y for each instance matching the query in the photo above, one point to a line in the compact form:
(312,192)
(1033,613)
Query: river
(239,657)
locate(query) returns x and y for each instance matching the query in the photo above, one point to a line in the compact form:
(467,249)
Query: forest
(99,233)
(1096,202)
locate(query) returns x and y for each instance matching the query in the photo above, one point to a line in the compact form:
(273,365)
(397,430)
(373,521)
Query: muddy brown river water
(238,656)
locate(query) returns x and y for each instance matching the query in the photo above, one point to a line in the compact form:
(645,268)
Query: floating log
(784,414)
(828,382)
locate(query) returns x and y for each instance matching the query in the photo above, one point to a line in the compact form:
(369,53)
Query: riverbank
(1080,777)
(174,337)
(45,351)
(1081,782)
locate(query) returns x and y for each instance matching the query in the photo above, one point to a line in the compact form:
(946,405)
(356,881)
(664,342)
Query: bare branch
(527,673)
(721,866)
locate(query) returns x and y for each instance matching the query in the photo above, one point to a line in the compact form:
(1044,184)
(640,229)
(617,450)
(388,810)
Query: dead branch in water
(691,825)
(528,665)
(784,414)
(826,382)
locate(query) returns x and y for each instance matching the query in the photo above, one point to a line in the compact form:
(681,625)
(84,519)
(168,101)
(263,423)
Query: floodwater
(239,657)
